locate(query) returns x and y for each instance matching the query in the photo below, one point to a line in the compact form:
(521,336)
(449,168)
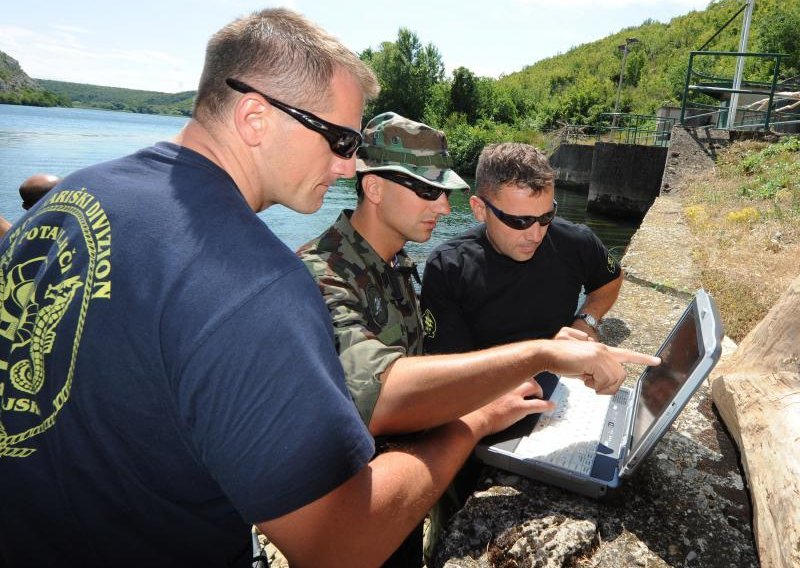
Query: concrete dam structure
(623,180)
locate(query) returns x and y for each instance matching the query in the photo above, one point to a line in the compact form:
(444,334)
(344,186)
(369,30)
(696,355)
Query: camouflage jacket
(373,306)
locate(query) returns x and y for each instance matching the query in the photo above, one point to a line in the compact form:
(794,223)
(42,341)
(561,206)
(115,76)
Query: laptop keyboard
(568,435)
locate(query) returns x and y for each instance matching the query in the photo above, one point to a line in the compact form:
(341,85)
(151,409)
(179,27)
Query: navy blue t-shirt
(167,372)
(474,297)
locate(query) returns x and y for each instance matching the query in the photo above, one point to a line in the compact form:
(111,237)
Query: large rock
(12,77)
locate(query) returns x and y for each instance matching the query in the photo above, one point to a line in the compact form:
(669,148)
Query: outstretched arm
(362,521)
(423,392)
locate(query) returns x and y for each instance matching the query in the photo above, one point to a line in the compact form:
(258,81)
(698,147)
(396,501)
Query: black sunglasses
(422,189)
(343,141)
(522,222)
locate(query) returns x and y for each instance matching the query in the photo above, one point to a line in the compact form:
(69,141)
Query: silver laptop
(589,443)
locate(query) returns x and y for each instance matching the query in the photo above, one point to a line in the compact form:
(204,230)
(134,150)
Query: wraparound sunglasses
(342,140)
(522,222)
(423,190)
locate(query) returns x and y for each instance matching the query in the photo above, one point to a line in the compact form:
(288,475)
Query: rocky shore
(687,505)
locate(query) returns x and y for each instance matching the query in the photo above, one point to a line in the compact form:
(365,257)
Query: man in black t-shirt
(519,274)
(516,276)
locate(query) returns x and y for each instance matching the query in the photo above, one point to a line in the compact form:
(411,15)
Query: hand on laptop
(598,365)
(511,407)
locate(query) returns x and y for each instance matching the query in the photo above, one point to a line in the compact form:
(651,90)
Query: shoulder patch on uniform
(611,264)
(428,324)
(376,306)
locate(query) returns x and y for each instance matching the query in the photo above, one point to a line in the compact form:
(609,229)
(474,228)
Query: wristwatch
(590,320)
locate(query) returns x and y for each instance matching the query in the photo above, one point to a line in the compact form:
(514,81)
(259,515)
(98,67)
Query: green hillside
(577,86)
(16,88)
(114,98)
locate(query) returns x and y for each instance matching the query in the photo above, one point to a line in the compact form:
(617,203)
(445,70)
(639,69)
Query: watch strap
(590,320)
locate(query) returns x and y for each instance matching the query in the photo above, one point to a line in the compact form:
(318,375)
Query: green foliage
(437,107)
(16,88)
(779,32)
(464,97)
(577,86)
(31,97)
(130,100)
(770,170)
(498,103)
(407,72)
(465,141)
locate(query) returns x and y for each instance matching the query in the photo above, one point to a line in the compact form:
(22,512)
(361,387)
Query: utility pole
(624,48)
(737,78)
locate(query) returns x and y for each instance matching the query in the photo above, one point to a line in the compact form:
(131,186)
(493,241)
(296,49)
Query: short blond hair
(283,53)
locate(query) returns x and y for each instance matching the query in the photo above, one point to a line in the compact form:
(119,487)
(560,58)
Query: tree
(498,102)
(406,71)
(437,107)
(779,32)
(464,96)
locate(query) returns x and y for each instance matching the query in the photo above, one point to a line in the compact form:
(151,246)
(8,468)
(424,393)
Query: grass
(745,218)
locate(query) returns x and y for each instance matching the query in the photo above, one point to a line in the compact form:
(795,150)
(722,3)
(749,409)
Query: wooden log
(757,392)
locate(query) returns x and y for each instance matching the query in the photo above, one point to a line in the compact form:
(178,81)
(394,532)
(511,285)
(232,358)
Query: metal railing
(640,129)
(760,114)
(621,128)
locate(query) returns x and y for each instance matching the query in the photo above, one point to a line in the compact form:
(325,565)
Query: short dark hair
(359,187)
(512,162)
(281,52)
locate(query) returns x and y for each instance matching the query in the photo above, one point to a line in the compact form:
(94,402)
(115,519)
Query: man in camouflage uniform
(359,263)
(363,271)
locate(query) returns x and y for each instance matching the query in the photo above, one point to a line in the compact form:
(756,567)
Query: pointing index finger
(627,356)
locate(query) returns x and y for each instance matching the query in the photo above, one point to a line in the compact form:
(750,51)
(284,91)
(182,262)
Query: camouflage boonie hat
(395,143)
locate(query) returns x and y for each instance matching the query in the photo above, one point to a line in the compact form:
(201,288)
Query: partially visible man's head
(512,163)
(281,53)
(35,187)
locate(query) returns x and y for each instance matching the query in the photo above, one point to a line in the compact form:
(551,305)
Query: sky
(159,45)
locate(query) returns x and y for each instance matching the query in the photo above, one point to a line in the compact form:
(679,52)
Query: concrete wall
(573,165)
(625,178)
(691,150)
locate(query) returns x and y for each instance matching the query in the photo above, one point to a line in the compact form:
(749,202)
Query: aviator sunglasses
(522,222)
(423,190)
(342,140)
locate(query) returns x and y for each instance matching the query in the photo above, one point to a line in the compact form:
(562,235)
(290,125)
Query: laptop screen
(680,354)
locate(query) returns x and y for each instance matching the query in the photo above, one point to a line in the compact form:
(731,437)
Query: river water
(61,140)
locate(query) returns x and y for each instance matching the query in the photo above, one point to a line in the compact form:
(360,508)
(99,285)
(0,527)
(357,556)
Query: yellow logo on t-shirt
(56,263)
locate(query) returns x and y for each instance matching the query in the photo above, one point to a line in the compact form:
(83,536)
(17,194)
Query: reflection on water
(59,141)
(615,233)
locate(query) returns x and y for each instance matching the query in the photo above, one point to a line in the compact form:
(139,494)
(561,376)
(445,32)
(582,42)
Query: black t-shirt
(473,297)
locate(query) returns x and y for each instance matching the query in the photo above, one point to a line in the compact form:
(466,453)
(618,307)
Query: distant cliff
(17,88)
(12,77)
